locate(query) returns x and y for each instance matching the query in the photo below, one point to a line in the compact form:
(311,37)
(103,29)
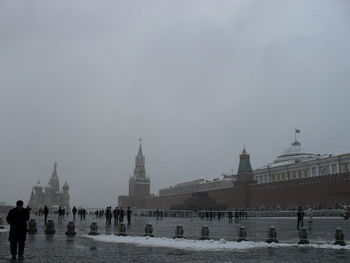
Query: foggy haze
(81,81)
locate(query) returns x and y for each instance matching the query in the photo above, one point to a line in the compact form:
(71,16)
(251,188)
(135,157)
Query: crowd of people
(117,214)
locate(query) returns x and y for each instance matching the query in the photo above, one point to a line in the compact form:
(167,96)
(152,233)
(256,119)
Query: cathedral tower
(54,182)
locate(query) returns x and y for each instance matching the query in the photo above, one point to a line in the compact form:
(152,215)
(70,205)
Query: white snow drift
(206,245)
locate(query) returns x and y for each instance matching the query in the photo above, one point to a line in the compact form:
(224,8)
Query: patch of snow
(200,245)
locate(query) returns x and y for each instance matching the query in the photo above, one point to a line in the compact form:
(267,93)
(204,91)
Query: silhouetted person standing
(17,219)
(128,215)
(121,215)
(60,214)
(300,215)
(115,215)
(46,212)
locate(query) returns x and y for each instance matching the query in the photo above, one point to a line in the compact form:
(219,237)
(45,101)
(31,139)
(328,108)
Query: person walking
(230,216)
(60,214)
(17,219)
(74,211)
(46,212)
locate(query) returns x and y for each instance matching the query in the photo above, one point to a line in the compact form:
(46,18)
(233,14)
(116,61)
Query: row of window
(313,171)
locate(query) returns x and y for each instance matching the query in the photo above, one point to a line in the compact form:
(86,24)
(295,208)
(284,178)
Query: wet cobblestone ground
(59,248)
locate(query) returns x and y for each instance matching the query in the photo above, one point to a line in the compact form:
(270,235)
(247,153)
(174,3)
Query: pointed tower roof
(140,148)
(54,172)
(54,182)
(245,171)
(65,187)
(140,151)
(38,186)
(140,171)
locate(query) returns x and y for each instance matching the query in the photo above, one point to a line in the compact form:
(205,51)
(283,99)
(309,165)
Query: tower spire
(140,148)
(295,134)
(54,183)
(140,170)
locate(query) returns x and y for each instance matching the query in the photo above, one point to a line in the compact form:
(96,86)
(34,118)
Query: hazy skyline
(82,81)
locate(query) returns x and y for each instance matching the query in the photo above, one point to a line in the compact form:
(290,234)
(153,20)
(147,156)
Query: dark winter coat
(17,219)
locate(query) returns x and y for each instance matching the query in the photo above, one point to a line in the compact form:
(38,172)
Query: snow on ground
(206,245)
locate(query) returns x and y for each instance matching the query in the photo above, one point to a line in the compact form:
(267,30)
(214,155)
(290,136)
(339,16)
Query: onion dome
(65,187)
(38,187)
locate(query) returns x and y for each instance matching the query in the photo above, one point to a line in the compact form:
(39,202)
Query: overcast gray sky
(81,81)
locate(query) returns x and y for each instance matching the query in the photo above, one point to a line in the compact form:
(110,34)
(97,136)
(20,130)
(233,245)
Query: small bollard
(149,230)
(205,233)
(93,229)
(50,228)
(179,231)
(1,223)
(303,236)
(32,227)
(242,234)
(121,229)
(271,235)
(339,237)
(71,229)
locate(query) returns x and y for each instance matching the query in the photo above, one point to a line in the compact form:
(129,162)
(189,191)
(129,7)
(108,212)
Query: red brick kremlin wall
(325,190)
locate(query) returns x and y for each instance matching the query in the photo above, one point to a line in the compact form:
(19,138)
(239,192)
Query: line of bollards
(179,232)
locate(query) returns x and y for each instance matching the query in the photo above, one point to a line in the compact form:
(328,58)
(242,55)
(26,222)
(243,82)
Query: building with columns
(297,163)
